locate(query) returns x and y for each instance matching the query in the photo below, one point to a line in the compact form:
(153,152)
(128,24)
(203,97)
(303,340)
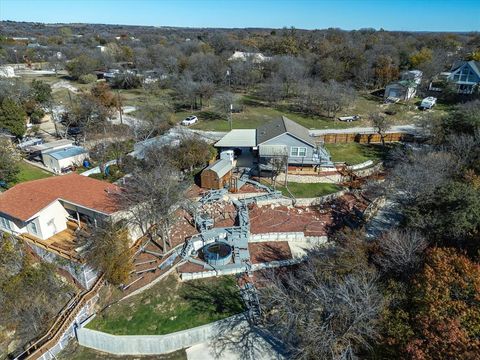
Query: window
(298,151)
(5,223)
(33,227)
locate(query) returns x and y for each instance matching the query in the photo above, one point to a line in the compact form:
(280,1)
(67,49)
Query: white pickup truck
(428,103)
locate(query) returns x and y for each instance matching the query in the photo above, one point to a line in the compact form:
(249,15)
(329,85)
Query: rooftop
(221,167)
(51,145)
(26,199)
(238,138)
(280,126)
(66,153)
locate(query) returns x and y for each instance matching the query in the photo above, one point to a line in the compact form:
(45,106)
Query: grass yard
(76,352)
(172,305)
(354,153)
(29,172)
(300,190)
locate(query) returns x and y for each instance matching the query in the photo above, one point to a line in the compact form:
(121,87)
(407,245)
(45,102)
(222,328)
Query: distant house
(400,90)
(58,160)
(278,138)
(465,75)
(404,89)
(57,155)
(244,56)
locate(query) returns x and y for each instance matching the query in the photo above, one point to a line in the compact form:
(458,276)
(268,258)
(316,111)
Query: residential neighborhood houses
(238,192)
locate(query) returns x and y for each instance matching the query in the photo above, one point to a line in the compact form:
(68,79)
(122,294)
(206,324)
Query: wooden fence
(364,138)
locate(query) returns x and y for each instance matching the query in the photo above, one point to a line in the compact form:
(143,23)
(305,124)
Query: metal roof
(280,126)
(221,167)
(51,145)
(66,152)
(238,138)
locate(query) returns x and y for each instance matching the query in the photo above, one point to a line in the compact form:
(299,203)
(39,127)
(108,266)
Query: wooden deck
(64,243)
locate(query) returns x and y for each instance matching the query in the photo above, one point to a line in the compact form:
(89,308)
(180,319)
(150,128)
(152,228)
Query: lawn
(300,190)
(354,153)
(29,172)
(172,305)
(76,352)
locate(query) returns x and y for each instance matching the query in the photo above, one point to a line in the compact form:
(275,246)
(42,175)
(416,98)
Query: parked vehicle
(428,103)
(189,120)
(349,118)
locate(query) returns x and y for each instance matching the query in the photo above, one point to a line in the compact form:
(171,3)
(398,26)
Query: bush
(36,116)
(87,79)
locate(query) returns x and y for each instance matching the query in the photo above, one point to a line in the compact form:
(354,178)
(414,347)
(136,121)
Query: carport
(243,142)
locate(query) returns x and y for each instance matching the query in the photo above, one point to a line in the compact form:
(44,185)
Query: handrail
(61,322)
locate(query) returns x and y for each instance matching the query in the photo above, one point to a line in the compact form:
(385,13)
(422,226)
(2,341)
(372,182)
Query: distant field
(29,172)
(172,306)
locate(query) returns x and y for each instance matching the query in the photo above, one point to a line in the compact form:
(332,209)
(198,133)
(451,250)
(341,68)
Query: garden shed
(217,175)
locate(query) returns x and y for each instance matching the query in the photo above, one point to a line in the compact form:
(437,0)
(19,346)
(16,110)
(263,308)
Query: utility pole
(119,104)
(230,116)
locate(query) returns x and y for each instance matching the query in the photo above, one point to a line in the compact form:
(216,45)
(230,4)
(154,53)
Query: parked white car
(189,120)
(428,103)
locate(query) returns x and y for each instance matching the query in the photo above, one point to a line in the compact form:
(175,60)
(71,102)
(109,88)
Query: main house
(279,138)
(465,75)
(41,209)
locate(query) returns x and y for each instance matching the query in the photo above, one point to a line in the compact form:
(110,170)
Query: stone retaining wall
(149,344)
(288,236)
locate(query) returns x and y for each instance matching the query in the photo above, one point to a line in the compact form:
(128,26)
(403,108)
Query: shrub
(87,79)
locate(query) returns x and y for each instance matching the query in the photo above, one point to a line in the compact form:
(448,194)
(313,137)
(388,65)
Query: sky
(407,15)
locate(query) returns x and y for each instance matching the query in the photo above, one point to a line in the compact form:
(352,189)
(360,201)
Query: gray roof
(238,138)
(280,126)
(221,167)
(51,145)
(475,65)
(66,152)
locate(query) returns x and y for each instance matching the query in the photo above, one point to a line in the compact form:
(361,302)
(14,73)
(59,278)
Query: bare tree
(150,196)
(400,251)
(323,311)
(277,164)
(381,124)
(418,174)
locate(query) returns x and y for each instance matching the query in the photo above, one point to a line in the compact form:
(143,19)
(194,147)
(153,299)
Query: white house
(57,160)
(244,56)
(42,208)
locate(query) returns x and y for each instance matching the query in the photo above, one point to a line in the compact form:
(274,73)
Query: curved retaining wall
(149,344)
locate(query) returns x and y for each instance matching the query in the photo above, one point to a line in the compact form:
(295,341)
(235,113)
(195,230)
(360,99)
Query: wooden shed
(217,175)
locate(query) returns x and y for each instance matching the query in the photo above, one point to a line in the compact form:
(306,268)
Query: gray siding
(290,141)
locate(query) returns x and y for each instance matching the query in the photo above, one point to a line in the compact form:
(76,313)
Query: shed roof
(66,153)
(26,199)
(280,126)
(221,167)
(238,138)
(51,145)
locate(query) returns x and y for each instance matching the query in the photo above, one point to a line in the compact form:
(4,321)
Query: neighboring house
(58,160)
(401,90)
(406,87)
(244,56)
(465,75)
(278,138)
(413,75)
(43,208)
